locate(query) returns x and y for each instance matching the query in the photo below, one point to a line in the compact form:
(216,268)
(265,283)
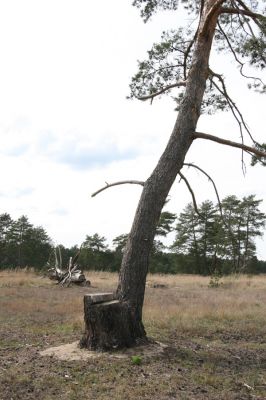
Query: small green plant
(215,281)
(136,360)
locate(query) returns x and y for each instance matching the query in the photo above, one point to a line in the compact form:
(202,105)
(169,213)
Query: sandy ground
(72,352)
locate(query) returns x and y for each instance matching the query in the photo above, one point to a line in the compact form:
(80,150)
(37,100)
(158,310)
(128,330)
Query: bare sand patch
(72,352)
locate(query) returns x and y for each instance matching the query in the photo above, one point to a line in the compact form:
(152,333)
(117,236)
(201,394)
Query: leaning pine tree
(180,62)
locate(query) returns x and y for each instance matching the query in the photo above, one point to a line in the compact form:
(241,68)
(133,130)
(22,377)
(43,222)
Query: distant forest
(209,239)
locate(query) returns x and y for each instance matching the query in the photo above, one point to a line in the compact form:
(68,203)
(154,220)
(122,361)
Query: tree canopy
(240,32)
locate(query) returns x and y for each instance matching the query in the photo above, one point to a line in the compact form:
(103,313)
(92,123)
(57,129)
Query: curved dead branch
(108,185)
(218,198)
(191,192)
(212,181)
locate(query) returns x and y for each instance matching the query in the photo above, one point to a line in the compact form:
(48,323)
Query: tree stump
(109,324)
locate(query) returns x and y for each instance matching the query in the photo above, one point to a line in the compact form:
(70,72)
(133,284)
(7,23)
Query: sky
(66,126)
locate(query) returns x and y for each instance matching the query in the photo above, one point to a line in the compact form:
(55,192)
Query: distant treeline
(22,244)
(209,239)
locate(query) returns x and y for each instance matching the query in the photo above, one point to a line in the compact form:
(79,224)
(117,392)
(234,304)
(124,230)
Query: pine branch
(247,12)
(108,185)
(244,11)
(163,90)
(255,16)
(248,149)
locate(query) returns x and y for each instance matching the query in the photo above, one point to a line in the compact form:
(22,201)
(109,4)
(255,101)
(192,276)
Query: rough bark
(134,268)
(108,324)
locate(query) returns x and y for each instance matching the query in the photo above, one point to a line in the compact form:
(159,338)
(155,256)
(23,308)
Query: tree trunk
(245,257)
(109,325)
(134,268)
(197,254)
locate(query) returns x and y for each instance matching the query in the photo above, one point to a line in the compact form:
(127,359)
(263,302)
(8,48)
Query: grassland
(215,337)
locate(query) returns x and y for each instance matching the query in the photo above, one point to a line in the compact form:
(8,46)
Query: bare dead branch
(163,90)
(108,185)
(248,149)
(235,56)
(60,256)
(191,192)
(69,275)
(213,183)
(76,256)
(57,264)
(217,196)
(67,278)
(233,107)
(235,111)
(249,27)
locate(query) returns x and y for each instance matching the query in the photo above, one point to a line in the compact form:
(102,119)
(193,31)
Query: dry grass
(186,303)
(103,280)
(21,277)
(217,339)
(191,305)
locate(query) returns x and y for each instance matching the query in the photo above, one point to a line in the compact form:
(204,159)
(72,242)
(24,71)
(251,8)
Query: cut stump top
(96,298)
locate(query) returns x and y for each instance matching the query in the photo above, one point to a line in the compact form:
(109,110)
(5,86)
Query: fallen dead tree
(66,276)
